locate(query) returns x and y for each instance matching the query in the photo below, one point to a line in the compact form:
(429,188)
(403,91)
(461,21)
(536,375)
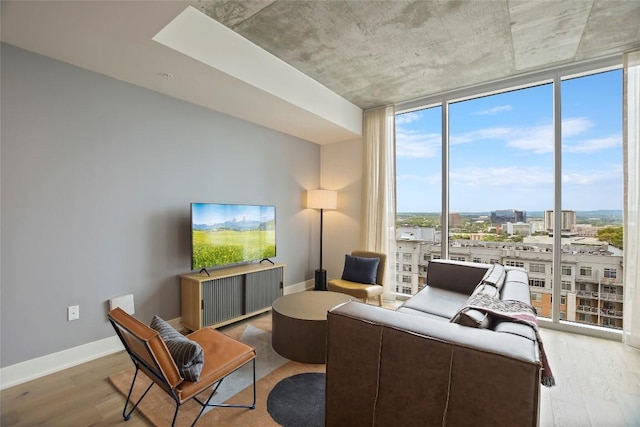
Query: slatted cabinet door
(222,299)
(262,288)
(229,294)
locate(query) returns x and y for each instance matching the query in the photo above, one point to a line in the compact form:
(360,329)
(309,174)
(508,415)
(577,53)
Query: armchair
(357,281)
(149,353)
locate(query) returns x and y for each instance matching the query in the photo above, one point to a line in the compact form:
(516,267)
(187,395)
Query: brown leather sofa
(414,367)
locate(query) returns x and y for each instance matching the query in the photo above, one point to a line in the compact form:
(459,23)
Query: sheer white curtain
(631,147)
(378,190)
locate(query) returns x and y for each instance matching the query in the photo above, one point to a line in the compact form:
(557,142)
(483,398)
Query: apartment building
(592,289)
(568,220)
(500,217)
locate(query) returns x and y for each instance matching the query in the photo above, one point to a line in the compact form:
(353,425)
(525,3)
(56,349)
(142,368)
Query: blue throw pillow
(360,269)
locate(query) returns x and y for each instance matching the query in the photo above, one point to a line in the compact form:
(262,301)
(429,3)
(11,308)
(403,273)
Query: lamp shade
(322,199)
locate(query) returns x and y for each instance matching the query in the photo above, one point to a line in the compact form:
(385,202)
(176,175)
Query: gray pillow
(472,318)
(186,353)
(495,275)
(487,289)
(477,318)
(360,269)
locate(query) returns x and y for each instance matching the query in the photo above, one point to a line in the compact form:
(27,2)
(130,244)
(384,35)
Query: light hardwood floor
(78,396)
(598,385)
(598,382)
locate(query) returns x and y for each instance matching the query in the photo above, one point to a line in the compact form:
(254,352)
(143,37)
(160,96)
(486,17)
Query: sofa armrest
(483,340)
(379,359)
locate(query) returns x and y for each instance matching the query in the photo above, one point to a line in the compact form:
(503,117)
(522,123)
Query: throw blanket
(515,311)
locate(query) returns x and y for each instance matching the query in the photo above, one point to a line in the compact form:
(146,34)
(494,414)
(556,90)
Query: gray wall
(96,178)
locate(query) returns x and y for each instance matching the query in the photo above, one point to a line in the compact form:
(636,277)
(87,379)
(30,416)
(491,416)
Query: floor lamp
(321,199)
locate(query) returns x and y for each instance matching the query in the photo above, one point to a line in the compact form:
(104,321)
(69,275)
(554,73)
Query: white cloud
(533,139)
(405,118)
(434,178)
(493,111)
(479,135)
(413,145)
(575,126)
(538,139)
(502,176)
(510,176)
(579,178)
(592,145)
(605,174)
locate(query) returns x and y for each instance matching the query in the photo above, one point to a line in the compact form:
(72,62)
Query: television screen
(224,234)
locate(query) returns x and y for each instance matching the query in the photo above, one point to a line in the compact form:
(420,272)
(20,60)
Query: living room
(98,174)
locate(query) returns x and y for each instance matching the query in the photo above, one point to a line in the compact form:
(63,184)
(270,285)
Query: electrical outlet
(73,312)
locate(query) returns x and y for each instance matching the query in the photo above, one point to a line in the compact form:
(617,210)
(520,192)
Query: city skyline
(501,150)
(533,213)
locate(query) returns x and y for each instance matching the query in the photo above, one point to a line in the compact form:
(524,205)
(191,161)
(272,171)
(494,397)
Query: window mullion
(444,220)
(557,200)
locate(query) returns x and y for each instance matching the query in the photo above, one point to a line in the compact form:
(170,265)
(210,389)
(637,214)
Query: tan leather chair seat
(222,356)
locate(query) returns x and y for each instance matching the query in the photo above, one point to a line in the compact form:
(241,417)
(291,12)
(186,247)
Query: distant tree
(428,221)
(476,227)
(460,237)
(613,235)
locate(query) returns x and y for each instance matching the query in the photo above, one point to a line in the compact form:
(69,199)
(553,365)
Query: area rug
(271,368)
(298,400)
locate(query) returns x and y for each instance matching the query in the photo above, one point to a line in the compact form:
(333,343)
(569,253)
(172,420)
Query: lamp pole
(321,274)
(321,234)
(321,199)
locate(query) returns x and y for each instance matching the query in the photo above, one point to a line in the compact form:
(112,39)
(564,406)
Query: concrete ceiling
(379,52)
(363,54)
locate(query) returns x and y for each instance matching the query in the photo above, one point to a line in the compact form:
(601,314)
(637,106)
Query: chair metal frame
(155,372)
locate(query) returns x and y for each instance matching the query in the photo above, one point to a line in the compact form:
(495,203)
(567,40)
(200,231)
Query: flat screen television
(226,234)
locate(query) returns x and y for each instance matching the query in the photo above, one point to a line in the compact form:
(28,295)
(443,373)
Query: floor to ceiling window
(591,275)
(418,195)
(496,173)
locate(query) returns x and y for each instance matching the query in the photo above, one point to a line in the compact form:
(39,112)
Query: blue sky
(211,213)
(501,150)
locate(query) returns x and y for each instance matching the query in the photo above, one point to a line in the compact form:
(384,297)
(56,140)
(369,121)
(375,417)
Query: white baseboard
(55,362)
(51,363)
(631,339)
(45,365)
(298,287)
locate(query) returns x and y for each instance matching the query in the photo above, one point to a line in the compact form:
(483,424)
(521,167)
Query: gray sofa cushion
(187,354)
(441,299)
(516,291)
(439,302)
(517,274)
(407,310)
(508,327)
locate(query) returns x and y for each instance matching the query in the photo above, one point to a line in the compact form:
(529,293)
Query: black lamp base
(321,280)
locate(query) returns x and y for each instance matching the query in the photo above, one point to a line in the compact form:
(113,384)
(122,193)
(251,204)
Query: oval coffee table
(299,324)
